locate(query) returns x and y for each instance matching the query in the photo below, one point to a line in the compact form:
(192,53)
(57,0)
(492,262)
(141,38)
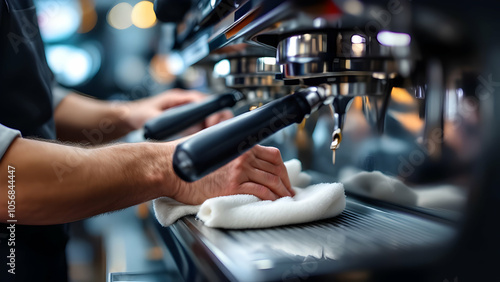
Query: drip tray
(362,237)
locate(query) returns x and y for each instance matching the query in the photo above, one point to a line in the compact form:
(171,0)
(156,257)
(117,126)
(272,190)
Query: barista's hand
(140,111)
(259,172)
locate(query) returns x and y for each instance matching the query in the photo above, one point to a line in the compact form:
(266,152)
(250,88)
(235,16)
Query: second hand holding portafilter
(175,120)
(216,146)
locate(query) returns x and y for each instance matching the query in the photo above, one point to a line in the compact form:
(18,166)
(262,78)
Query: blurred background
(111,49)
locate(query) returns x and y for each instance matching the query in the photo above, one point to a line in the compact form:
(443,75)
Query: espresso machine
(248,82)
(404,90)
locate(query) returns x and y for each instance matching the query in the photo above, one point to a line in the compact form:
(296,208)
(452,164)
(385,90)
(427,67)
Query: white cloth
(312,203)
(447,197)
(382,187)
(379,186)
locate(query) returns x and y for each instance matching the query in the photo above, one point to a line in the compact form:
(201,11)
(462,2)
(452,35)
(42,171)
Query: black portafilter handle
(215,146)
(174,120)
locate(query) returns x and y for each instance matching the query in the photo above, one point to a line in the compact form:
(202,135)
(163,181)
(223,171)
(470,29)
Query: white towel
(315,202)
(446,197)
(379,186)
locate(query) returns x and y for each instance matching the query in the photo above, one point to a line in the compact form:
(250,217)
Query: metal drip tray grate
(361,235)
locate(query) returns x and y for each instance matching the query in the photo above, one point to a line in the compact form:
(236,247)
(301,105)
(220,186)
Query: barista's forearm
(90,121)
(56,183)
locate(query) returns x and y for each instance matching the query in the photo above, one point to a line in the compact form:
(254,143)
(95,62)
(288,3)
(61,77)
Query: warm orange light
(89,16)
(400,95)
(159,69)
(357,103)
(143,15)
(410,121)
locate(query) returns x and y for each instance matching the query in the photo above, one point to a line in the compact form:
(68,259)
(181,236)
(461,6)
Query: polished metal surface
(268,65)
(328,246)
(336,53)
(421,81)
(222,34)
(310,47)
(255,77)
(249,72)
(352,64)
(302,48)
(249,81)
(356,85)
(253,65)
(340,67)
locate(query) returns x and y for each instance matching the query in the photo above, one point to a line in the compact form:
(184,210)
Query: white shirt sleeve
(7,135)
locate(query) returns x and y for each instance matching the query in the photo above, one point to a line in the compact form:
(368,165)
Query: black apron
(26,105)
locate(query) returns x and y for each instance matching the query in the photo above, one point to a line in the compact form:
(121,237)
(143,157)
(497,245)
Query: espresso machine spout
(339,106)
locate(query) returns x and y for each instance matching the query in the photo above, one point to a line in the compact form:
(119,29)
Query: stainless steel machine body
(409,90)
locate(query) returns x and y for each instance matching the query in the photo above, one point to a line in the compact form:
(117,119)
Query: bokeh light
(143,15)
(160,70)
(222,68)
(120,16)
(389,38)
(58,21)
(89,16)
(71,65)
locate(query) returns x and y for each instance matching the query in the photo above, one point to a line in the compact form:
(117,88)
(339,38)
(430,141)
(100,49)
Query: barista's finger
(271,181)
(258,190)
(279,170)
(269,154)
(273,156)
